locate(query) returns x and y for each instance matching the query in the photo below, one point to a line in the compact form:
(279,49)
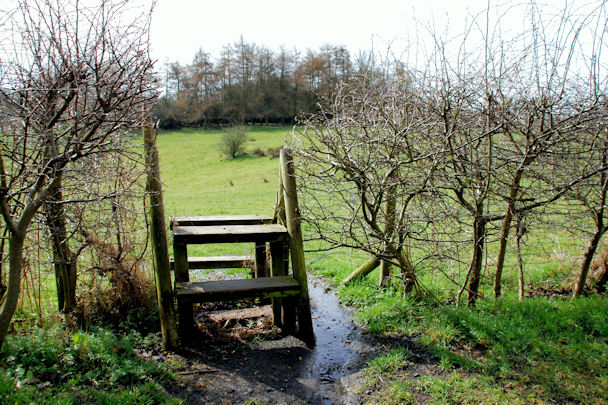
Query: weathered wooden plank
(217,262)
(260,259)
(220,220)
(229,234)
(265,287)
(277,270)
(289,307)
(241,313)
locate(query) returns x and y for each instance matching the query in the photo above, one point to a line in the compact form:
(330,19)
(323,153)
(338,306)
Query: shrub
(273,152)
(118,292)
(232,142)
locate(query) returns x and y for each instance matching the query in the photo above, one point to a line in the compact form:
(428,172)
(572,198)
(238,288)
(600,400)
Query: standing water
(340,349)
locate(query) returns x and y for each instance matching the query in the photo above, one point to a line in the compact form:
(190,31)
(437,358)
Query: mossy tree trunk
(64,260)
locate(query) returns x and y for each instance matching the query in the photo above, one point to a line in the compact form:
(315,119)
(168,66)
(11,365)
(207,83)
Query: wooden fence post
(296,245)
(158,236)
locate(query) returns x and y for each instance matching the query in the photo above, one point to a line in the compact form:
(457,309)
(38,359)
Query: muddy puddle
(223,365)
(341,349)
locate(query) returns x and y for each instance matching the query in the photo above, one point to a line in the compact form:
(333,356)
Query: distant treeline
(248,83)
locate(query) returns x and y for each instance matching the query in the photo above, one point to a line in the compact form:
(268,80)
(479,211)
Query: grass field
(539,350)
(200,181)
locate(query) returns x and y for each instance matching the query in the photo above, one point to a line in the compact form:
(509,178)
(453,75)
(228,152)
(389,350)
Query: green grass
(395,360)
(551,350)
(199,180)
(53,366)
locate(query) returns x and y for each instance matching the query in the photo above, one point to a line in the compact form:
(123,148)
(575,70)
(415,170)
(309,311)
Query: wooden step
(217,262)
(224,290)
(220,220)
(229,234)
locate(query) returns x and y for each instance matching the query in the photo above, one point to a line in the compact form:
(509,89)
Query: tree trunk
(587,258)
(362,270)
(407,271)
(2,243)
(11,297)
(600,229)
(479,235)
(520,263)
(502,248)
(391,203)
(385,271)
(64,260)
(504,235)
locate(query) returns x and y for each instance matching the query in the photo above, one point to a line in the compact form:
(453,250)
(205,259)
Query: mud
(250,362)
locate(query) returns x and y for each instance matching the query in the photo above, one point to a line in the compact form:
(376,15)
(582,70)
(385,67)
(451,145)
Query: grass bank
(507,351)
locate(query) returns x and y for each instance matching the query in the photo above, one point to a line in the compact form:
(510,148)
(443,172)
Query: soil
(239,357)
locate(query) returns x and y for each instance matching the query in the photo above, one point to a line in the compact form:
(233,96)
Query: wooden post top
(229,234)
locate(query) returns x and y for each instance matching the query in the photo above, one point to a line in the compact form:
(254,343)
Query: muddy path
(342,349)
(247,361)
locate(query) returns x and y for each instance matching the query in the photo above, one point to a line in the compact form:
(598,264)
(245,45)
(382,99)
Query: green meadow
(200,181)
(539,350)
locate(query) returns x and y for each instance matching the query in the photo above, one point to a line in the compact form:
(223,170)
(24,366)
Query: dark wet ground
(341,350)
(239,364)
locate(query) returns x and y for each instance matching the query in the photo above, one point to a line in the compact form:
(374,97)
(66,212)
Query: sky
(181,27)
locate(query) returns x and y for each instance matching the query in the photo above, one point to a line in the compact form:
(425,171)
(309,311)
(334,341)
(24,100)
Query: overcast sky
(181,27)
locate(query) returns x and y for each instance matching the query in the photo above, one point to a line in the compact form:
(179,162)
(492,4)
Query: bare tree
(546,107)
(508,109)
(592,196)
(366,169)
(78,77)
(484,126)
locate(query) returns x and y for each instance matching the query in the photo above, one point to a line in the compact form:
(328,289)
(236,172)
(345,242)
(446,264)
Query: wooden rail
(220,220)
(217,262)
(265,287)
(229,234)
